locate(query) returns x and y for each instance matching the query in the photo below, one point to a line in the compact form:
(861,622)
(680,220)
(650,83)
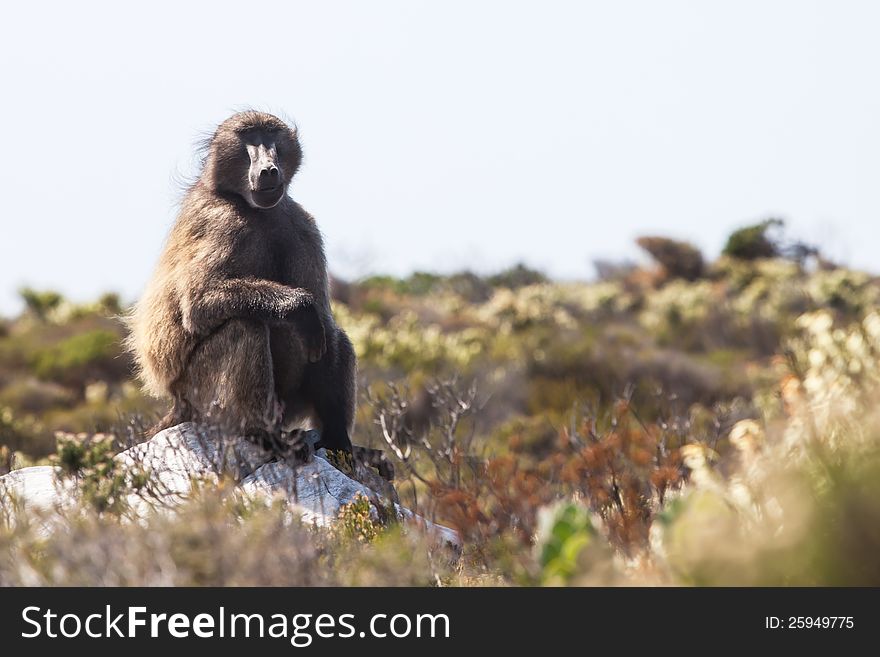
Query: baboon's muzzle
(264,176)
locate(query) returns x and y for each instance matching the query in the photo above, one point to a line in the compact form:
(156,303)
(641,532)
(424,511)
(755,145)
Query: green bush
(92,355)
(572,550)
(104,483)
(40,304)
(417,284)
(752,242)
(356,523)
(110,304)
(516,277)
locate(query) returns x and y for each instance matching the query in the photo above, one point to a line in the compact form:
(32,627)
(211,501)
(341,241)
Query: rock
(178,457)
(38,487)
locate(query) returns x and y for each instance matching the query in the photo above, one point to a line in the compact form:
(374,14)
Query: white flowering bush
(789,504)
(408,344)
(514,310)
(678,303)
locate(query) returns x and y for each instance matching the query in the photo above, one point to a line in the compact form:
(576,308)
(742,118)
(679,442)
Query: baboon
(235,324)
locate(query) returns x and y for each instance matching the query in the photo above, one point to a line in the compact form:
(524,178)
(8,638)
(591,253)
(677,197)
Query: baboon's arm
(258,299)
(245,298)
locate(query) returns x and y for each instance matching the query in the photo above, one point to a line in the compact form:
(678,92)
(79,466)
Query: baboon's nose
(269,177)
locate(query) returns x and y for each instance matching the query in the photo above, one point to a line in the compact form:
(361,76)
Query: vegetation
(715,424)
(676,259)
(753,242)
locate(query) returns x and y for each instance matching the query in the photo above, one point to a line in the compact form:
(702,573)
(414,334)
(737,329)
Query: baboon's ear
(297,147)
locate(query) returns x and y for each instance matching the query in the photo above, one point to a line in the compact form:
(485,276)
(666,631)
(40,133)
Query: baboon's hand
(311,329)
(294,304)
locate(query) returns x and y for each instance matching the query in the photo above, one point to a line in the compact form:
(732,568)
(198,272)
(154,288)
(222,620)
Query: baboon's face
(265,183)
(255,156)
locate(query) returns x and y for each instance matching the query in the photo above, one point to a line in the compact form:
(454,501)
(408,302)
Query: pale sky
(442,135)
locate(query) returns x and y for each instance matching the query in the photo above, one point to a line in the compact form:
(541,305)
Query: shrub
(209,541)
(516,277)
(40,304)
(678,259)
(104,483)
(109,304)
(96,354)
(32,396)
(753,242)
(417,284)
(469,287)
(355,521)
(568,545)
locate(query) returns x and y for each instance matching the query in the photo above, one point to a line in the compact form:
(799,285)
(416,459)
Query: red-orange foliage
(622,473)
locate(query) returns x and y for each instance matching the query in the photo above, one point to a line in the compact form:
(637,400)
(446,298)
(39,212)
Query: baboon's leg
(330,387)
(179,412)
(325,390)
(229,380)
(289,361)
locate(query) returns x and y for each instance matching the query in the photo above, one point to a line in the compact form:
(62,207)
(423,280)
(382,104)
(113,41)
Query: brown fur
(235,324)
